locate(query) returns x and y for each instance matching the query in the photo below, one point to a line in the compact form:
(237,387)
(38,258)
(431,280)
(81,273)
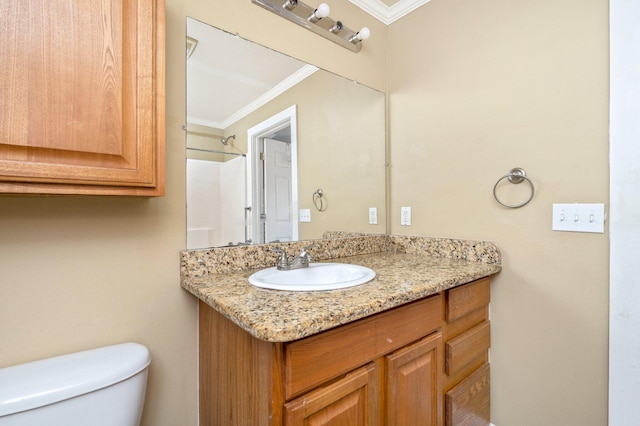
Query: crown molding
(276,91)
(388,14)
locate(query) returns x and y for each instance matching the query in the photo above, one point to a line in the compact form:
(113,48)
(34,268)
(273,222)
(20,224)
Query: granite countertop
(282,316)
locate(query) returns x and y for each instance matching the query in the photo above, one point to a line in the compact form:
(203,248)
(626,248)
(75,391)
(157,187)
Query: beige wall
(477,88)
(80,272)
(341,149)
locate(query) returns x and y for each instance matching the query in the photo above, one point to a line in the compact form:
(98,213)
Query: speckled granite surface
(408,268)
(227,259)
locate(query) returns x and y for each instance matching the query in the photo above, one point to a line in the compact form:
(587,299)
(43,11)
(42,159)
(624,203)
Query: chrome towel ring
(317,198)
(516,175)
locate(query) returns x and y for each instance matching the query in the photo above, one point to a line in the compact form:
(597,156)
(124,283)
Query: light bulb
(363,34)
(321,12)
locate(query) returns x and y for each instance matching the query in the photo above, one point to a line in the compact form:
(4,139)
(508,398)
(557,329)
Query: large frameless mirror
(277,149)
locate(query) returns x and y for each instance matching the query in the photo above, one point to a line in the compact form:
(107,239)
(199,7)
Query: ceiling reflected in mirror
(240,76)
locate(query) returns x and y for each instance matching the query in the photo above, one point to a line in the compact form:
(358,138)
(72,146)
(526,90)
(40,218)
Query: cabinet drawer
(465,299)
(317,359)
(467,347)
(468,402)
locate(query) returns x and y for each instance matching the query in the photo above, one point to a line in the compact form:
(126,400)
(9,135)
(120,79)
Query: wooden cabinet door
(351,401)
(413,392)
(82,95)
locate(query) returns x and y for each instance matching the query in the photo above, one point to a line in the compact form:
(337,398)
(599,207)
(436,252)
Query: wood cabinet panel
(467,298)
(459,326)
(470,345)
(338,351)
(239,375)
(468,403)
(413,394)
(351,401)
(83,89)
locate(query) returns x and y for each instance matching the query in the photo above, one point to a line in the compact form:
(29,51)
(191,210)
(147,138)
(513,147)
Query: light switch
(578,218)
(305,215)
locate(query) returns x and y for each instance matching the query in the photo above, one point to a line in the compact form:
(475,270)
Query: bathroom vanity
(408,348)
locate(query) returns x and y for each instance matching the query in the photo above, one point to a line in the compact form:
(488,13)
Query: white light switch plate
(578,218)
(305,215)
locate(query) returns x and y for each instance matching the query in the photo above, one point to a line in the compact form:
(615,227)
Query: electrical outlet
(405,216)
(373,216)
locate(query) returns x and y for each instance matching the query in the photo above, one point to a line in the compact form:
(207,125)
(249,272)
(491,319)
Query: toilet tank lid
(38,383)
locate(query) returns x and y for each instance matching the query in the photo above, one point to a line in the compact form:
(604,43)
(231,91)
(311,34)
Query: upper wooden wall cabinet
(82,97)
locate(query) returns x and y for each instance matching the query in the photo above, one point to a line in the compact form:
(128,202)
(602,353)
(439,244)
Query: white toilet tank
(98,387)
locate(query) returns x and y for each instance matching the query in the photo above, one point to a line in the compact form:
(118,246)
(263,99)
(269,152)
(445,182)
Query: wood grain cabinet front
(352,400)
(386,369)
(467,403)
(412,385)
(467,341)
(82,95)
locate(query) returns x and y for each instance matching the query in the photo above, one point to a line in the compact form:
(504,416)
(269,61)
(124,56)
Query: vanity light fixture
(317,20)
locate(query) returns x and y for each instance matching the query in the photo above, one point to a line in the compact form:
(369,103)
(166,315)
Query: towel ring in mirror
(317,199)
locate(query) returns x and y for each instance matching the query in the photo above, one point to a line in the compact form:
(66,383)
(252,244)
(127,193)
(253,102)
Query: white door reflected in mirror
(277,190)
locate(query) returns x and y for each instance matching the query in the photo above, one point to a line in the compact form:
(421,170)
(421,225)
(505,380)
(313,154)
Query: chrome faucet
(301,260)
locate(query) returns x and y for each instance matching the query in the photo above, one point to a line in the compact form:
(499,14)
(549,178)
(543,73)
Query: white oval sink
(318,276)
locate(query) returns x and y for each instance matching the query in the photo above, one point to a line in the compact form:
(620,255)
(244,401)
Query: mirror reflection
(277,149)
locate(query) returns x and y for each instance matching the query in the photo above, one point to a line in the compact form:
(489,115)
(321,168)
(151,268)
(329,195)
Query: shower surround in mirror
(215,191)
(337,143)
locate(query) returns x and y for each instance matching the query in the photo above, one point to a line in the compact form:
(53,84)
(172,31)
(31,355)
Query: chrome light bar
(316,20)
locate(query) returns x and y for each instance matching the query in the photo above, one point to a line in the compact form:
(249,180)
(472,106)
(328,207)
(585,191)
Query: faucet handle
(282,256)
(309,247)
(304,253)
